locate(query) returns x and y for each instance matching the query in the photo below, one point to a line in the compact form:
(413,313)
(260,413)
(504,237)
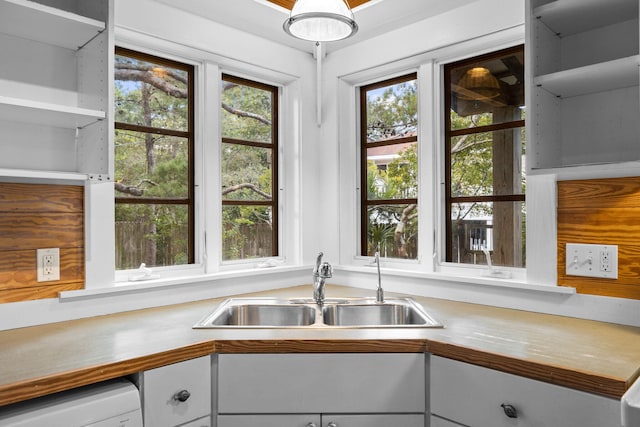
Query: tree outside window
(389,165)
(153,160)
(485,153)
(249,169)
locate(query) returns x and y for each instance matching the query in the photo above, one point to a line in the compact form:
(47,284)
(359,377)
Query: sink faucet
(321,271)
(380,292)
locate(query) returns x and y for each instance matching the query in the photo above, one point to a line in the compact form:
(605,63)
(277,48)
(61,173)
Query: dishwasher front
(114,403)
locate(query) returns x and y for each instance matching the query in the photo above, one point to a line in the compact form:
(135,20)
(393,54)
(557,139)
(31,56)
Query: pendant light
(479,84)
(321,20)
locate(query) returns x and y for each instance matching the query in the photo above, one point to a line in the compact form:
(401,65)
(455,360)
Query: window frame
(449,200)
(189,135)
(274,147)
(365,202)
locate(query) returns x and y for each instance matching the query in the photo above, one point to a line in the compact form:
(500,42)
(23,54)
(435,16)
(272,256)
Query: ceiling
(264,18)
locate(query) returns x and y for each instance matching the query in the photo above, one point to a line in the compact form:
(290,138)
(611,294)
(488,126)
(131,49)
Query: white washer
(113,403)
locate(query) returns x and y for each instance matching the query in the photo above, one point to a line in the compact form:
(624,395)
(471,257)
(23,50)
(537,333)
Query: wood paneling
(34,216)
(602,211)
(288,4)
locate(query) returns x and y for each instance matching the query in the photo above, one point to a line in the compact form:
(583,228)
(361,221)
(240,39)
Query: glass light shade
(321,20)
(481,83)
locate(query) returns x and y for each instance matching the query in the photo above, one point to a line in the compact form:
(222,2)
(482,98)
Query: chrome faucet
(321,271)
(380,292)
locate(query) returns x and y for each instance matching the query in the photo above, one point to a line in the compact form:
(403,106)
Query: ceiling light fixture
(321,20)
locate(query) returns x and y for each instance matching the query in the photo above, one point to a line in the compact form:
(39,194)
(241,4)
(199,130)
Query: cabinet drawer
(296,420)
(161,388)
(321,383)
(472,395)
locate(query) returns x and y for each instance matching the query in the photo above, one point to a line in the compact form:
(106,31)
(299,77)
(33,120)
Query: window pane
(154,234)
(150,94)
(392,171)
(247,232)
(247,113)
(246,172)
(497,227)
(392,111)
(488,91)
(150,165)
(393,230)
(489,163)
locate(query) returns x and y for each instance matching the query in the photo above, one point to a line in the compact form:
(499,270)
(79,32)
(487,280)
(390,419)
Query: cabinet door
(298,420)
(441,422)
(176,394)
(474,396)
(321,383)
(378,420)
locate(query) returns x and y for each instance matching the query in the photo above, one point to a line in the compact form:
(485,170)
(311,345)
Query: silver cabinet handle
(311,425)
(332,424)
(181,396)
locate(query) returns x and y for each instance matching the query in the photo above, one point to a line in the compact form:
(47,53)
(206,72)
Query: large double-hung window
(480,194)
(154,139)
(389,168)
(484,159)
(154,165)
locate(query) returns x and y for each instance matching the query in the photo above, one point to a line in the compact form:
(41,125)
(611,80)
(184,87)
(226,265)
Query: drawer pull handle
(311,425)
(332,424)
(182,396)
(510,410)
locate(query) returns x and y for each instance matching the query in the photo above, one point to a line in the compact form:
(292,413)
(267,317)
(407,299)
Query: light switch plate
(592,260)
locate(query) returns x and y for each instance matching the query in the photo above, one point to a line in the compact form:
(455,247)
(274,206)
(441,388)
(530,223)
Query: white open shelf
(43,113)
(610,75)
(37,175)
(34,21)
(566,17)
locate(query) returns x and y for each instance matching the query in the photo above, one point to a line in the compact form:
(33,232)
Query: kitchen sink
(371,314)
(260,314)
(305,313)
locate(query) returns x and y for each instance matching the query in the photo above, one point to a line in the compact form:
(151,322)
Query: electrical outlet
(592,260)
(48,264)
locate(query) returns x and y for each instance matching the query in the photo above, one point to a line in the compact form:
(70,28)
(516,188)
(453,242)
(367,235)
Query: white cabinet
(583,92)
(348,390)
(480,397)
(56,89)
(177,394)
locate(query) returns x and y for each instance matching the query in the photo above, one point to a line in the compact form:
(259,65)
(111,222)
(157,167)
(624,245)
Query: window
(485,153)
(389,168)
(249,169)
(153,161)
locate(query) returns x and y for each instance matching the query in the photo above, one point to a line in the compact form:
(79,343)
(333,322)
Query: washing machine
(113,403)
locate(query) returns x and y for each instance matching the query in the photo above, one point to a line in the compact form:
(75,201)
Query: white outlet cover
(55,267)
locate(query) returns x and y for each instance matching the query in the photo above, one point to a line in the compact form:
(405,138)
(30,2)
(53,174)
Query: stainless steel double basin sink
(252,313)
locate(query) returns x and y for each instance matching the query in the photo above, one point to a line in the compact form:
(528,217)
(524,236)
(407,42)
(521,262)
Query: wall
(34,216)
(320,196)
(601,211)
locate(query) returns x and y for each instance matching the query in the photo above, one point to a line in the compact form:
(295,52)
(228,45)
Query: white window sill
(459,278)
(120,288)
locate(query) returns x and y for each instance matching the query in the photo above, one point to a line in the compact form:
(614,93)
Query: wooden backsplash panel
(602,211)
(34,216)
